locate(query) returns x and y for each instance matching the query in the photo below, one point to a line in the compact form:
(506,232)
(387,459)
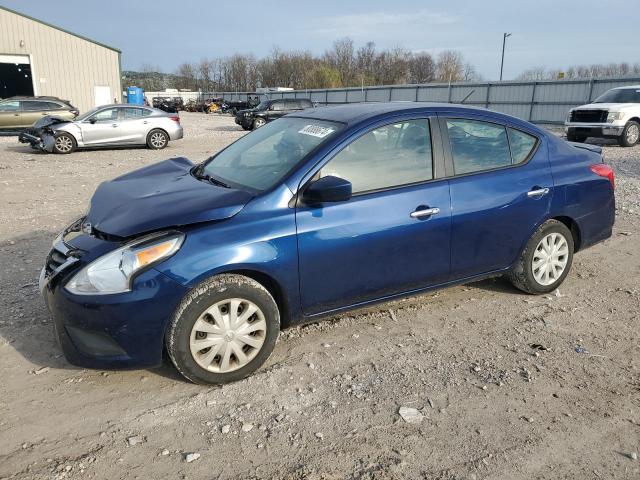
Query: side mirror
(92,120)
(327,189)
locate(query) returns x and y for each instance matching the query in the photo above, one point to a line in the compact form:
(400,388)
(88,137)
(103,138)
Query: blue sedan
(318,212)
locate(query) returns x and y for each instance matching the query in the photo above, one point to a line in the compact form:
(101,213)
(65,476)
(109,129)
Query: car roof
(628,86)
(353,113)
(25,97)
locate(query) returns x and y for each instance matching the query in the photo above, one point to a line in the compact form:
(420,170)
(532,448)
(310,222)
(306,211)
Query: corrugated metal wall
(538,102)
(63,65)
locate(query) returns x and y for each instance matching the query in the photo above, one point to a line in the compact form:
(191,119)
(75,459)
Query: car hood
(607,106)
(160,196)
(50,120)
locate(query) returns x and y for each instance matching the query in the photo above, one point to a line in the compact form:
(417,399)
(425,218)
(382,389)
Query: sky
(162,33)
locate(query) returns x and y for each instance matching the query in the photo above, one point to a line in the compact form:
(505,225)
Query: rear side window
(133,113)
(389,156)
(35,106)
(522,145)
(477,146)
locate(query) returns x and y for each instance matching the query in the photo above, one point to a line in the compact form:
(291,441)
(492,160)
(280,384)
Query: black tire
(258,122)
(572,137)
(157,139)
(630,134)
(64,143)
(192,307)
(522,273)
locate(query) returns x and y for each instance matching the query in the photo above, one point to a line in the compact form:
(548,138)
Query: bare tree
(450,66)
(422,68)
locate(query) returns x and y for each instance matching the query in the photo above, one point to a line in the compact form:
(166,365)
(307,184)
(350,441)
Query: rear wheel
(64,143)
(546,260)
(157,139)
(223,330)
(630,135)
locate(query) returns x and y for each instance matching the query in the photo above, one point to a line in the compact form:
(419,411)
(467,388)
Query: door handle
(427,212)
(145,122)
(538,193)
(114,125)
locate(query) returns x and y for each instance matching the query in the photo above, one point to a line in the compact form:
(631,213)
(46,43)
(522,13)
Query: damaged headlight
(113,272)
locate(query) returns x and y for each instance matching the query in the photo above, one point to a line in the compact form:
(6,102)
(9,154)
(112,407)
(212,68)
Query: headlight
(112,273)
(568,119)
(613,116)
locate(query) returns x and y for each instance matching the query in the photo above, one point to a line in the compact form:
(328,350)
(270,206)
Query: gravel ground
(442,386)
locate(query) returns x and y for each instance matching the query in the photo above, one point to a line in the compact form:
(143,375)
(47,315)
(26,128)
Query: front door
(391,237)
(102,128)
(501,191)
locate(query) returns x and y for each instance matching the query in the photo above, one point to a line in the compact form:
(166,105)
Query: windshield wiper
(215,181)
(197,172)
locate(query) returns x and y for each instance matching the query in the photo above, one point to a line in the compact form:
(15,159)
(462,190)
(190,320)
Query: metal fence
(537,102)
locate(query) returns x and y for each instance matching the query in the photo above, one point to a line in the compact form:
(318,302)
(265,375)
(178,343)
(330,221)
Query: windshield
(262,158)
(622,95)
(86,115)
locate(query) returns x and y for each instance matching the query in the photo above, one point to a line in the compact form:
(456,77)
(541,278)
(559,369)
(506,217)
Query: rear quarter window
(522,144)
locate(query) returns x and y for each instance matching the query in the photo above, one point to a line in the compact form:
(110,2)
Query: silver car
(105,126)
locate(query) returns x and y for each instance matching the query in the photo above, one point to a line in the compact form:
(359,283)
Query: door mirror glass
(327,189)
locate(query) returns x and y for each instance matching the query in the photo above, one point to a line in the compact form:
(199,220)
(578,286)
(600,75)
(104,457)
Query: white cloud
(379,24)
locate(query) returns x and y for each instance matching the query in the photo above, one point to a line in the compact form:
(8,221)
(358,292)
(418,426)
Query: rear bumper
(595,130)
(176,133)
(115,331)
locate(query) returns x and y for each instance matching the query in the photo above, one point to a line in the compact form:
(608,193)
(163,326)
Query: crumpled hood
(160,196)
(49,120)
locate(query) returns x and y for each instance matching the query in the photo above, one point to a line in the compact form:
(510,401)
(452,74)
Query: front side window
(9,106)
(108,115)
(477,145)
(262,158)
(278,107)
(389,156)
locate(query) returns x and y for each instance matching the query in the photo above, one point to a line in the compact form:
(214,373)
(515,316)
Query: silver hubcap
(64,144)
(158,140)
(260,122)
(550,259)
(228,335)
(633,132)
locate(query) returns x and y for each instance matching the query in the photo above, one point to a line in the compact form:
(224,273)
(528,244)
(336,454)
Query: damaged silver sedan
(106,126)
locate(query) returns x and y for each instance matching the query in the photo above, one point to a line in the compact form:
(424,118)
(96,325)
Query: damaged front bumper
(38,140)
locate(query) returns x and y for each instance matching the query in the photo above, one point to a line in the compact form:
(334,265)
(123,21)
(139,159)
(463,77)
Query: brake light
(175,118)
(604,171)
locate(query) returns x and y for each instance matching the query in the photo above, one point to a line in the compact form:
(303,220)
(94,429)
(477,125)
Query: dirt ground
(326,405)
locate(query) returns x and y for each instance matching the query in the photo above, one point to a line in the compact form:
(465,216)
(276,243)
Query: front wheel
(259,122)
(157,139)
(546,260)
(64,143)
(223,330)
(630,135)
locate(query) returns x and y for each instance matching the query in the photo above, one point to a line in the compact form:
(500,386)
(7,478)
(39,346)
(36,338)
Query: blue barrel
(135,95)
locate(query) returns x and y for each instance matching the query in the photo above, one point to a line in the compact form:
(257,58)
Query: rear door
(10,114)
(134,125)
(392,236)
(501,188)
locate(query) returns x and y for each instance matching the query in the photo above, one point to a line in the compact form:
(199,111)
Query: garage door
(15,76)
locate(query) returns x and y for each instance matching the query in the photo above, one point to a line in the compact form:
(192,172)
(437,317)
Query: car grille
(55,260)
(589,116)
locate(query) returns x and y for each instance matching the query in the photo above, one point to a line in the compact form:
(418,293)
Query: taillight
(175,118)
(604,171)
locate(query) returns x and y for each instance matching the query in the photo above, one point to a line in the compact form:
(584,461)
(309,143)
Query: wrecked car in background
(105,126)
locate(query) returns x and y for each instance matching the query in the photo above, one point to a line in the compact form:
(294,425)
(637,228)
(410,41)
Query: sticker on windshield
(316,131)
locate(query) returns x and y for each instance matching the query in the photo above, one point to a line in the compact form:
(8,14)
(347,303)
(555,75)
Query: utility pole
(504,41)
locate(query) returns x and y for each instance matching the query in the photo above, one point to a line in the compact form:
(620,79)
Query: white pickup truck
(614,114)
